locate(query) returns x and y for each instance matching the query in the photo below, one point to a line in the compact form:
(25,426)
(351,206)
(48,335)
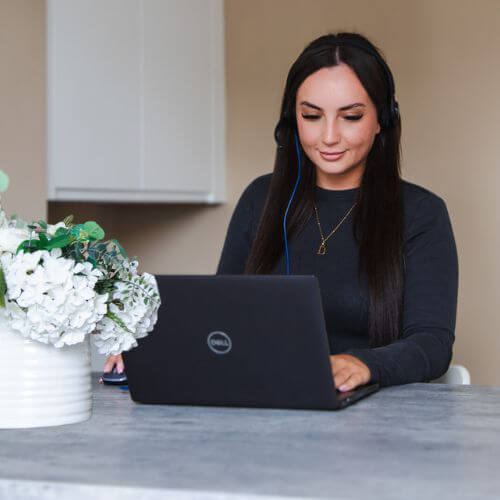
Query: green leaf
(3,288)
(43,239)
(118,321)
(61,230)
(120,248)
(4,181)
(76,230)
(118,304)
(94,231)
(59,242)
(28,245)
(21,246)
(42,224)
(68,220)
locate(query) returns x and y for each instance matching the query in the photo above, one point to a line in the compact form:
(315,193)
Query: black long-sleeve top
(424,350)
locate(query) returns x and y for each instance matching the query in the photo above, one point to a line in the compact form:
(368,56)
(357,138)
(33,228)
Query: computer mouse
(114,378)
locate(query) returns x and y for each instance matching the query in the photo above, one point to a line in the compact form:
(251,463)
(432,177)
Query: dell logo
(219,342)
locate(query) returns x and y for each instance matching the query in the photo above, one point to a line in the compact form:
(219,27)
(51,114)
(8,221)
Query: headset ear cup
(389,117)
(385,118)
(395,111)
(282,131)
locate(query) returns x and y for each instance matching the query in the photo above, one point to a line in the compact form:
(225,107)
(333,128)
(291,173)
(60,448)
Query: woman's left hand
(348,372)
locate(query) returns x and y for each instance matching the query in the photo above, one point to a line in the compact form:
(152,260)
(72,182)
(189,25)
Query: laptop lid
(235,340)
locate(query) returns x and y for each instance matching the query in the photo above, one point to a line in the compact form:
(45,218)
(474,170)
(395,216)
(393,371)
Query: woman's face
(337,124)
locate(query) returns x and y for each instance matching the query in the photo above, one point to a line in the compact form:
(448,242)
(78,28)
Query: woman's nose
(331,133)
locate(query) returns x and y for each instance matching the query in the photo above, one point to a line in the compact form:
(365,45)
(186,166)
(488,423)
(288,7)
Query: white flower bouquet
(60,282)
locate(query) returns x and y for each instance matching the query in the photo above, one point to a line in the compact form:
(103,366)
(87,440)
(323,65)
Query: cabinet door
(183,95)
(136,100)
(93,97)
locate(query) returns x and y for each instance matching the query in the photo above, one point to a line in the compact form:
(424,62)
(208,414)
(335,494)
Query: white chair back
(456,374)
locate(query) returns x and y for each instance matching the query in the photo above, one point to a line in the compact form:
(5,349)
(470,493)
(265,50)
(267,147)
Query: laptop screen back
(242,340)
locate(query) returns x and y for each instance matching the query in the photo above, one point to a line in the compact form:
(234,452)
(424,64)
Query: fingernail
(343,388)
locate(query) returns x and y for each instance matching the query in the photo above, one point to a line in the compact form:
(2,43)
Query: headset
(299,168)
(388,118)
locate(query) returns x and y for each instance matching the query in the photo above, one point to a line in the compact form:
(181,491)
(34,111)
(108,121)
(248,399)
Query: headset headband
(393,107)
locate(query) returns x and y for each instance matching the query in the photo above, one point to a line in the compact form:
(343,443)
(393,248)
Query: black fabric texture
(424,350)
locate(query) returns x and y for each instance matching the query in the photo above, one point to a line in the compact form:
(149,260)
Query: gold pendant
(322,248)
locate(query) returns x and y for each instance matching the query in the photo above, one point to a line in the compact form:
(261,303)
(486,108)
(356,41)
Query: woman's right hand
(111,361)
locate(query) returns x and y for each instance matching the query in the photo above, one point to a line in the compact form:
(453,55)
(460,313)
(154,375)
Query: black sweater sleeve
(238,237)
(424,350)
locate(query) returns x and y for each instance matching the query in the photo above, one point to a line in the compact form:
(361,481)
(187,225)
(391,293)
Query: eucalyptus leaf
(4,181)
(94,231)
(120,248)
(117,320)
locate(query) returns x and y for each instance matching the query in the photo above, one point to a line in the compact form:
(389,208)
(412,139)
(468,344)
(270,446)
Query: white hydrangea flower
(138,315)
(12,237)
(52,299)
(112,339)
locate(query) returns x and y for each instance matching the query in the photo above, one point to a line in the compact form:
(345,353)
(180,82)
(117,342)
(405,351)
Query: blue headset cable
(287,257)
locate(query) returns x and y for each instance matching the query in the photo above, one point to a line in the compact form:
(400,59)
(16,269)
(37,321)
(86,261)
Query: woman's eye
(311,117)
(353,117)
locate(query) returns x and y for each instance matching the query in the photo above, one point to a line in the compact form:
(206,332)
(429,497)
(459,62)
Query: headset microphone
(299,165)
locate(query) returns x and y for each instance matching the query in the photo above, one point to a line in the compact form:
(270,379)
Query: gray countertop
(415,441)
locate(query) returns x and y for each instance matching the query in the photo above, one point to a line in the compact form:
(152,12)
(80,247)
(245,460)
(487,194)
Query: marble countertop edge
(22,489)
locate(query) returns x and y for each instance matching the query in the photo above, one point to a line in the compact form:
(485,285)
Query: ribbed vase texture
(41,385)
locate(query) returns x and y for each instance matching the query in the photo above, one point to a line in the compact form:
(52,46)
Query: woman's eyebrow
(350,106)
(305,103)
(343,108)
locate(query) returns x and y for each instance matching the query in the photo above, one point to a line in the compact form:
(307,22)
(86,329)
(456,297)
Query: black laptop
(238,340)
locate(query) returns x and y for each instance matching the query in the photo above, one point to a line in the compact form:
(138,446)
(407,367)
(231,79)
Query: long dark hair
(378,216)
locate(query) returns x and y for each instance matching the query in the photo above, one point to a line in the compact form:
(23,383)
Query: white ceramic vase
(41,385)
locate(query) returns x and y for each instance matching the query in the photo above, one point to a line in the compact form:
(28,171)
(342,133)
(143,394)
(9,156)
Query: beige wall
(444,55)
(22,105)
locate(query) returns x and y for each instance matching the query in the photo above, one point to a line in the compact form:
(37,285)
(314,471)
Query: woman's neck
(339,182)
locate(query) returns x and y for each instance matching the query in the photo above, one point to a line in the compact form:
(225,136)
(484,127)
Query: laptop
(238,340)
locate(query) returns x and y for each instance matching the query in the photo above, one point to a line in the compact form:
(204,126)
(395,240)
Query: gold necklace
(322,246)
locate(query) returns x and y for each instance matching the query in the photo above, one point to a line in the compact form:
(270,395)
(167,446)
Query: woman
(382,248)
(335,206)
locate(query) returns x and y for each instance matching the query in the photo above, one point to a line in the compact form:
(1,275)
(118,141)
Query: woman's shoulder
(416,197)
(422,207)
(260,185)
(256,191)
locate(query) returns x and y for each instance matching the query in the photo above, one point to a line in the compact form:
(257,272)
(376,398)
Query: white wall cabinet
(136,100)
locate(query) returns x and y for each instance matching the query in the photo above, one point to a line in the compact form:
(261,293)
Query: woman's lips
(331,156)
